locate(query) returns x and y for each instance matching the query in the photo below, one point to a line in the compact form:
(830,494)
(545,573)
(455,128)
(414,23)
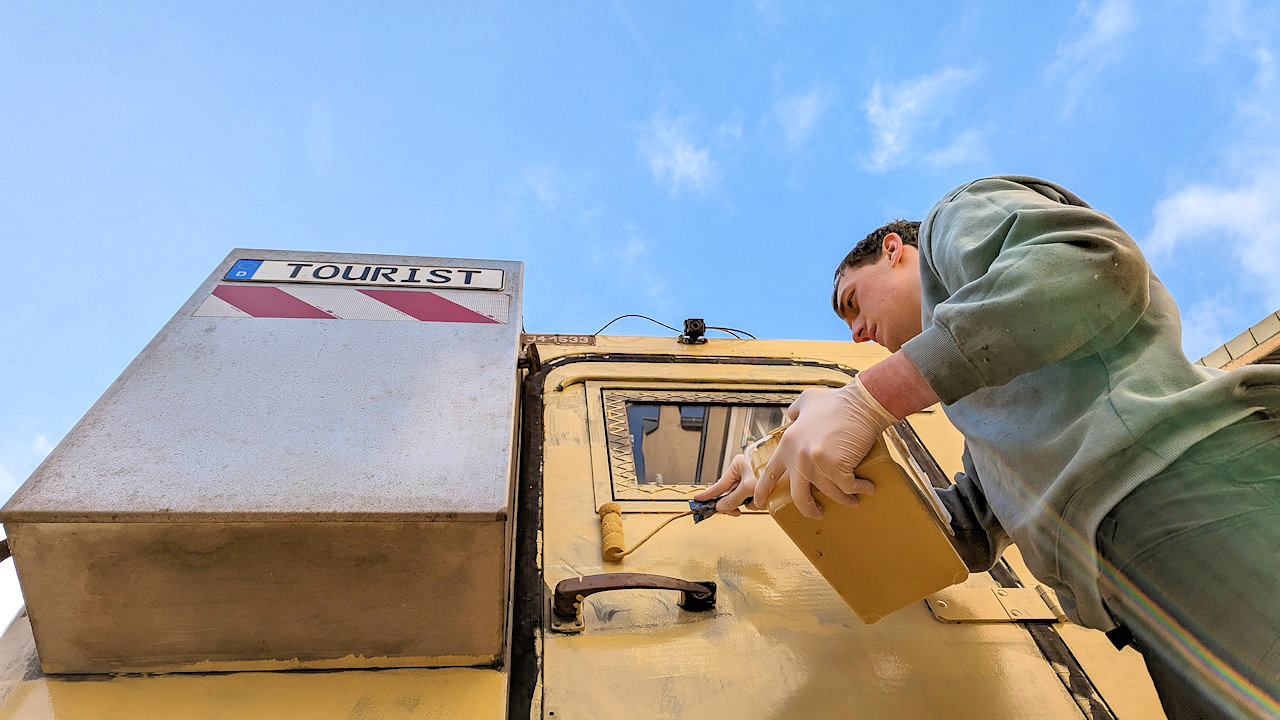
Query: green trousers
(1191,566)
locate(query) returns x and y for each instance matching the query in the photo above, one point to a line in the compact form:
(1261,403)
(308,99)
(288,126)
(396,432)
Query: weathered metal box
(311,465)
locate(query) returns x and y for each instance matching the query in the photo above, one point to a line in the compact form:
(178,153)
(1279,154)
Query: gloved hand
(738,480)
(832,431)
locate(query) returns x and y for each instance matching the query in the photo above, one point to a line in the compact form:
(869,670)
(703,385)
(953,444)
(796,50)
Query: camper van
(352,486)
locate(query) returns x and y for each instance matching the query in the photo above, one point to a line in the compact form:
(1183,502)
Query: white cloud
(1227,22)
(1234,214)
(634,258)
(1197,210)
(634,250)
(798,114)
(675,158)
(769,12)
(731,129)
(545,184)
(1205,325)
(1079,61)
(1241,218)
(899,112)
(968,147)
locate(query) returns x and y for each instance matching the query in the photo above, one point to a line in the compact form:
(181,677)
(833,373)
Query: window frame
(612,462)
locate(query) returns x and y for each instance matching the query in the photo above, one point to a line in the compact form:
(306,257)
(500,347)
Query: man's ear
(892,247)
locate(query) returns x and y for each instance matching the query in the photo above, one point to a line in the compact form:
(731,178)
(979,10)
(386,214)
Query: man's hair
(868,251)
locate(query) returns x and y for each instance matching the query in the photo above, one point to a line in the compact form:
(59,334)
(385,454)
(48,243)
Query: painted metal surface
(350,303)
(208,596)
(362,418)
(891,550)
(780,642)
(1120,675)
(287,489)
(405,694)
(347,272)
(962,604)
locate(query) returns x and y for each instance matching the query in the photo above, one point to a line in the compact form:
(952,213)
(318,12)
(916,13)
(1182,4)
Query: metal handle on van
(566,601)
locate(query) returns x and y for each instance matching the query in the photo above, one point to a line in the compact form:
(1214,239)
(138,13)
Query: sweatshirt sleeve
(1025,277)
(979,537)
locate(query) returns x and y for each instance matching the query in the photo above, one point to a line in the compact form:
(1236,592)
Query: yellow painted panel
(889,551)
(1120,675)
(780,642)
(857,355)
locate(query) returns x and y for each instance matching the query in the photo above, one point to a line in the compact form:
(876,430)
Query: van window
(665,444)
(692,444)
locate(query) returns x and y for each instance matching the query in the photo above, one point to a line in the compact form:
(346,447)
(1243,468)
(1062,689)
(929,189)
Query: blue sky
(668,158)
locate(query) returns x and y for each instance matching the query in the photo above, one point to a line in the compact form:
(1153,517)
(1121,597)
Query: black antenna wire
(731,331)
(645,317)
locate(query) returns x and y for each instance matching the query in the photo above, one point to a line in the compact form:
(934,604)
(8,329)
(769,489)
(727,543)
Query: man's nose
(858,330)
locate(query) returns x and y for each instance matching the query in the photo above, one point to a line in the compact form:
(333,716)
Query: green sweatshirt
(1057,353)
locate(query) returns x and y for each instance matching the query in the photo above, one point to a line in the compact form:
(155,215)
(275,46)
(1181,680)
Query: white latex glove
(832,431)
(738,480)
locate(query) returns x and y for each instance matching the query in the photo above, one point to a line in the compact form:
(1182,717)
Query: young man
(1144,489)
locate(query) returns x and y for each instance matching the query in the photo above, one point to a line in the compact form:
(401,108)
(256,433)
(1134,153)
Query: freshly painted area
(780,642)
(890,551)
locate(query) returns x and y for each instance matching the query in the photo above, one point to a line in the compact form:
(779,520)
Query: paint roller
(612,540)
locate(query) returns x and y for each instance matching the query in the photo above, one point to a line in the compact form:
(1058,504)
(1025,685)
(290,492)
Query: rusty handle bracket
(566,601)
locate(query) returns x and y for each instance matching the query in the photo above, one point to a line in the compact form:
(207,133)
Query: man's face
(880,301)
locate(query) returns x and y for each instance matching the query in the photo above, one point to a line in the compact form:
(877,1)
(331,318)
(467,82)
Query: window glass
(688,443)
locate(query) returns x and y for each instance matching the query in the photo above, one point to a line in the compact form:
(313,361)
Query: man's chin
(894,345)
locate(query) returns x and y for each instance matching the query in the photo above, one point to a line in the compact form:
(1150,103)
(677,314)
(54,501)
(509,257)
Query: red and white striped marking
(352,303)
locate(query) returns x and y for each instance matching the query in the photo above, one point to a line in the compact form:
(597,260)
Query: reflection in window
(692,443)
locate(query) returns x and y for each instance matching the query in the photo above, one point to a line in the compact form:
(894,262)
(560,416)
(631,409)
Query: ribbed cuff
(937,356)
